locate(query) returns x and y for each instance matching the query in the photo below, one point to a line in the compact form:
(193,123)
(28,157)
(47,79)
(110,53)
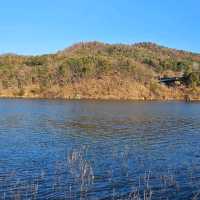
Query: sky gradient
(45,26)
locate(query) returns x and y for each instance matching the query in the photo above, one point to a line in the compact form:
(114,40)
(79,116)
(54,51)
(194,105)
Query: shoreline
(101,99)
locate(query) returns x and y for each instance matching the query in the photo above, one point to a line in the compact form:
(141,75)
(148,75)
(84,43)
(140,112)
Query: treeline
(143,62)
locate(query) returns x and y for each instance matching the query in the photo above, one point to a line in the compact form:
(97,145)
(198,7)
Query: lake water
(99,150)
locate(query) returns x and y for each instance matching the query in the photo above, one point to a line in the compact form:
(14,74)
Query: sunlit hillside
(101,71)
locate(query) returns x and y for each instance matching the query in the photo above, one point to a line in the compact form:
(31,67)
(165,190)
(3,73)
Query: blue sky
(44,26)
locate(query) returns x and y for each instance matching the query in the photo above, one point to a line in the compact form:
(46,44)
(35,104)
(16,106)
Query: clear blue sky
(43,26)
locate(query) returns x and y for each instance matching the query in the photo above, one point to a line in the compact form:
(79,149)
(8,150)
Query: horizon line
(100,42)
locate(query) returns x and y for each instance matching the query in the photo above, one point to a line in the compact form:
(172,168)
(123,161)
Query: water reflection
(99,150)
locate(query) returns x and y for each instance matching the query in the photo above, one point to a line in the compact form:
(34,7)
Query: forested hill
(94,70)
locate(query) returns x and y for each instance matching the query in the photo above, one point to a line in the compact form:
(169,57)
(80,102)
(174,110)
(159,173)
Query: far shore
(102,99)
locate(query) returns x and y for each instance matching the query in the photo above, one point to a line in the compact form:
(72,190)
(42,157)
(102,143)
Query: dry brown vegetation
(101,71)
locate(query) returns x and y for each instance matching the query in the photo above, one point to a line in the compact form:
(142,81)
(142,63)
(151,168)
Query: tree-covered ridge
(142,62)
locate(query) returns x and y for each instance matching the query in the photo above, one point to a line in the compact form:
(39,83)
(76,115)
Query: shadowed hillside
(101,71)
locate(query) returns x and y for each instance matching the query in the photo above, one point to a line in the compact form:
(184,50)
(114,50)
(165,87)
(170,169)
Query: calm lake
(51,149)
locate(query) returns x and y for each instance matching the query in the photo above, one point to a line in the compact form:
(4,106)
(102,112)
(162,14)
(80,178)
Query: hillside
(96,70)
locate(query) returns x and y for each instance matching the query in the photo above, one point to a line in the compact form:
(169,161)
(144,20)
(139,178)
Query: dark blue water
(99,150)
